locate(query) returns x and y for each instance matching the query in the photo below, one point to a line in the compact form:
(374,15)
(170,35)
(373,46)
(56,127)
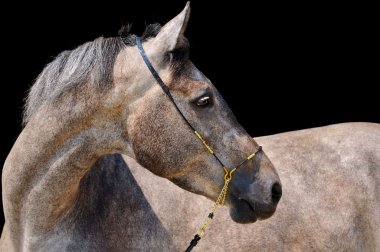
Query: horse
(100,100)
(331,183)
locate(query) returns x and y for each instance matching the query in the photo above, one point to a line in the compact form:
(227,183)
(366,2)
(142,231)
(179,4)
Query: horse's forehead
(190,88)
(194,73)
(191,80)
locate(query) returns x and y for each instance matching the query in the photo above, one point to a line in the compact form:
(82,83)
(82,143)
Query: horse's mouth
(241,210)
(248,211)
(249,205)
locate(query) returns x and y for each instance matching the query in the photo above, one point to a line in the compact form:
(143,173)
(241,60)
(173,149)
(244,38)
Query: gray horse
(331,183)
(101,99)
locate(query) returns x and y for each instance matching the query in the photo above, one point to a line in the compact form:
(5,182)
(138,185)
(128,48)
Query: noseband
(228,174)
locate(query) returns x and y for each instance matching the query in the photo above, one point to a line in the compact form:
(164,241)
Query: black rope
(165,88)
(193,243)
(153,71)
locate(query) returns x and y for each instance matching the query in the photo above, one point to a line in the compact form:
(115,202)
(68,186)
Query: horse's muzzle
(253,200)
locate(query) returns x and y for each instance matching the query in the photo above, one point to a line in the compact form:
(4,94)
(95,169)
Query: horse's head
(161,141)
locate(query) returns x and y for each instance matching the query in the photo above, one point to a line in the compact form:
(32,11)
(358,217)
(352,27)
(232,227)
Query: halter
(228,174)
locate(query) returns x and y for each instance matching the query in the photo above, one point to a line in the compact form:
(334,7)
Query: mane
(90,63)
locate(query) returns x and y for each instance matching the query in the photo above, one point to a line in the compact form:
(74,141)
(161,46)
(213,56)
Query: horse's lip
(260,213)
(241,200)
(242,211)
(247,203)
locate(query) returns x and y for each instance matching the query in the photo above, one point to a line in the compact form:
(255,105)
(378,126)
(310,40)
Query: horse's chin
(241,211)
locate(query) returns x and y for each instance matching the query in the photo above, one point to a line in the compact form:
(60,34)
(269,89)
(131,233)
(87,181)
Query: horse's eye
(203,102)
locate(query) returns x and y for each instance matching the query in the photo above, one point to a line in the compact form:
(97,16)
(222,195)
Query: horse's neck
(44,169)
(112,209)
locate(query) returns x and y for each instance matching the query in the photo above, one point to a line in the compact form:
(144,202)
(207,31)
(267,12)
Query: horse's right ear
(171,34)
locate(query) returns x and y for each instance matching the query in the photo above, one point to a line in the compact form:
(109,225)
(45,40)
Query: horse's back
(331,179)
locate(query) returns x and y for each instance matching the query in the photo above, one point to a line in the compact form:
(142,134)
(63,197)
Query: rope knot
(228,175)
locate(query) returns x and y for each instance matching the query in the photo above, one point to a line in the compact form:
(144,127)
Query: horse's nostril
(276,193)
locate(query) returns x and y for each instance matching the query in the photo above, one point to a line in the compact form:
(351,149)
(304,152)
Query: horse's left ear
(171,34)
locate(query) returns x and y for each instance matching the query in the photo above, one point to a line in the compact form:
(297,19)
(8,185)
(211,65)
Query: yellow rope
(222,195)
(251,156)
(204,142)
(219,201)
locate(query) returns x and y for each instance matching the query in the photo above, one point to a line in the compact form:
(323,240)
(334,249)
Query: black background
(280,67)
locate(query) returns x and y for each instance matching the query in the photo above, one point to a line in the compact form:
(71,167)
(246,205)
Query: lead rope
(221,198)
(219,202)
(228,174)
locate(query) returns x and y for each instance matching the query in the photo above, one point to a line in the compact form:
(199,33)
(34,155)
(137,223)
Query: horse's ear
(171,34)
